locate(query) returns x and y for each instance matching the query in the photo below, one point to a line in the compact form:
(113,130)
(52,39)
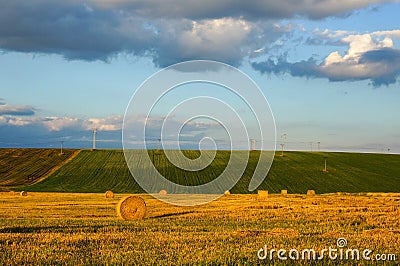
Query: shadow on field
(170,214)
(41,229)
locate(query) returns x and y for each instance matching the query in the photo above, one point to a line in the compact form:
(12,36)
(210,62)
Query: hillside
(26,166)
(297,172)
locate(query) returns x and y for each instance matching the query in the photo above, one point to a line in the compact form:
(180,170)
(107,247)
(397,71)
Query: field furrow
(296,172)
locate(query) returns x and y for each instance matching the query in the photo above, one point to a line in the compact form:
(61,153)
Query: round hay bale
(284,192)
(310,192)
(227,192)
(23,193)
(109,194)
(131,208)
(163,192)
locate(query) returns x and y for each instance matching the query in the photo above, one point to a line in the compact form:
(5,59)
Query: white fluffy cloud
(32,131)
(111,123)
(353,65)
(214,35)
(370,56)
(350,66)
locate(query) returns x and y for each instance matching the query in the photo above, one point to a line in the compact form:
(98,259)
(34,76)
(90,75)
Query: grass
(26,166)
(83,229)
(296,172)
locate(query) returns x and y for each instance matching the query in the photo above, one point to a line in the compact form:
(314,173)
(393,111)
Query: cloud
(78,32)
(110,123)
(17,131)
(388,33)
(167,31)
(225,39)
(258,9)
(69,29)
(15,110)
(370,56)
(33,131)
(327,37)
(169,125)
(24,115)
(54,124)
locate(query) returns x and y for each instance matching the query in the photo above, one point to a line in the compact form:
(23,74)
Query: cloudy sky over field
(329,69)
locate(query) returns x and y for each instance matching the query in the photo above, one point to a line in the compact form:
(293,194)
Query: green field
(296,172)
(27,166)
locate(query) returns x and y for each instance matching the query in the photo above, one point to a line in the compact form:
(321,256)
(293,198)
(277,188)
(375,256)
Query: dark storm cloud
(67,28)
(250,10)
(167,31)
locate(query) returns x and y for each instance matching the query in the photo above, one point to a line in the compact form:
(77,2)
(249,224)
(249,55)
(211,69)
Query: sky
(329,69)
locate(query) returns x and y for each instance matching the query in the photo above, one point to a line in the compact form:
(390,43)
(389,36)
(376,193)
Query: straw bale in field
(310,192)
(262,194)
(284,192)
(163,192)
(109,194)
(23,193)
(131,208)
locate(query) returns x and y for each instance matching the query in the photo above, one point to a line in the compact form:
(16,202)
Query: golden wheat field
(82,229)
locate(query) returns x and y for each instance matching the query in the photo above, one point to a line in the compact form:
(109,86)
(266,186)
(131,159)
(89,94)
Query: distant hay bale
(163,192)
(227,192)
(23,193)
(310,192)
(131,208)
(284,192)
(262,194)
(109,194)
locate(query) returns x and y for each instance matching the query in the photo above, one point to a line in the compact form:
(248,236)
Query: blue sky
(329,69)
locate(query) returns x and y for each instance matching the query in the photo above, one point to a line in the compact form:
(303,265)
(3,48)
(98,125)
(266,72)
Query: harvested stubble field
(76,229)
